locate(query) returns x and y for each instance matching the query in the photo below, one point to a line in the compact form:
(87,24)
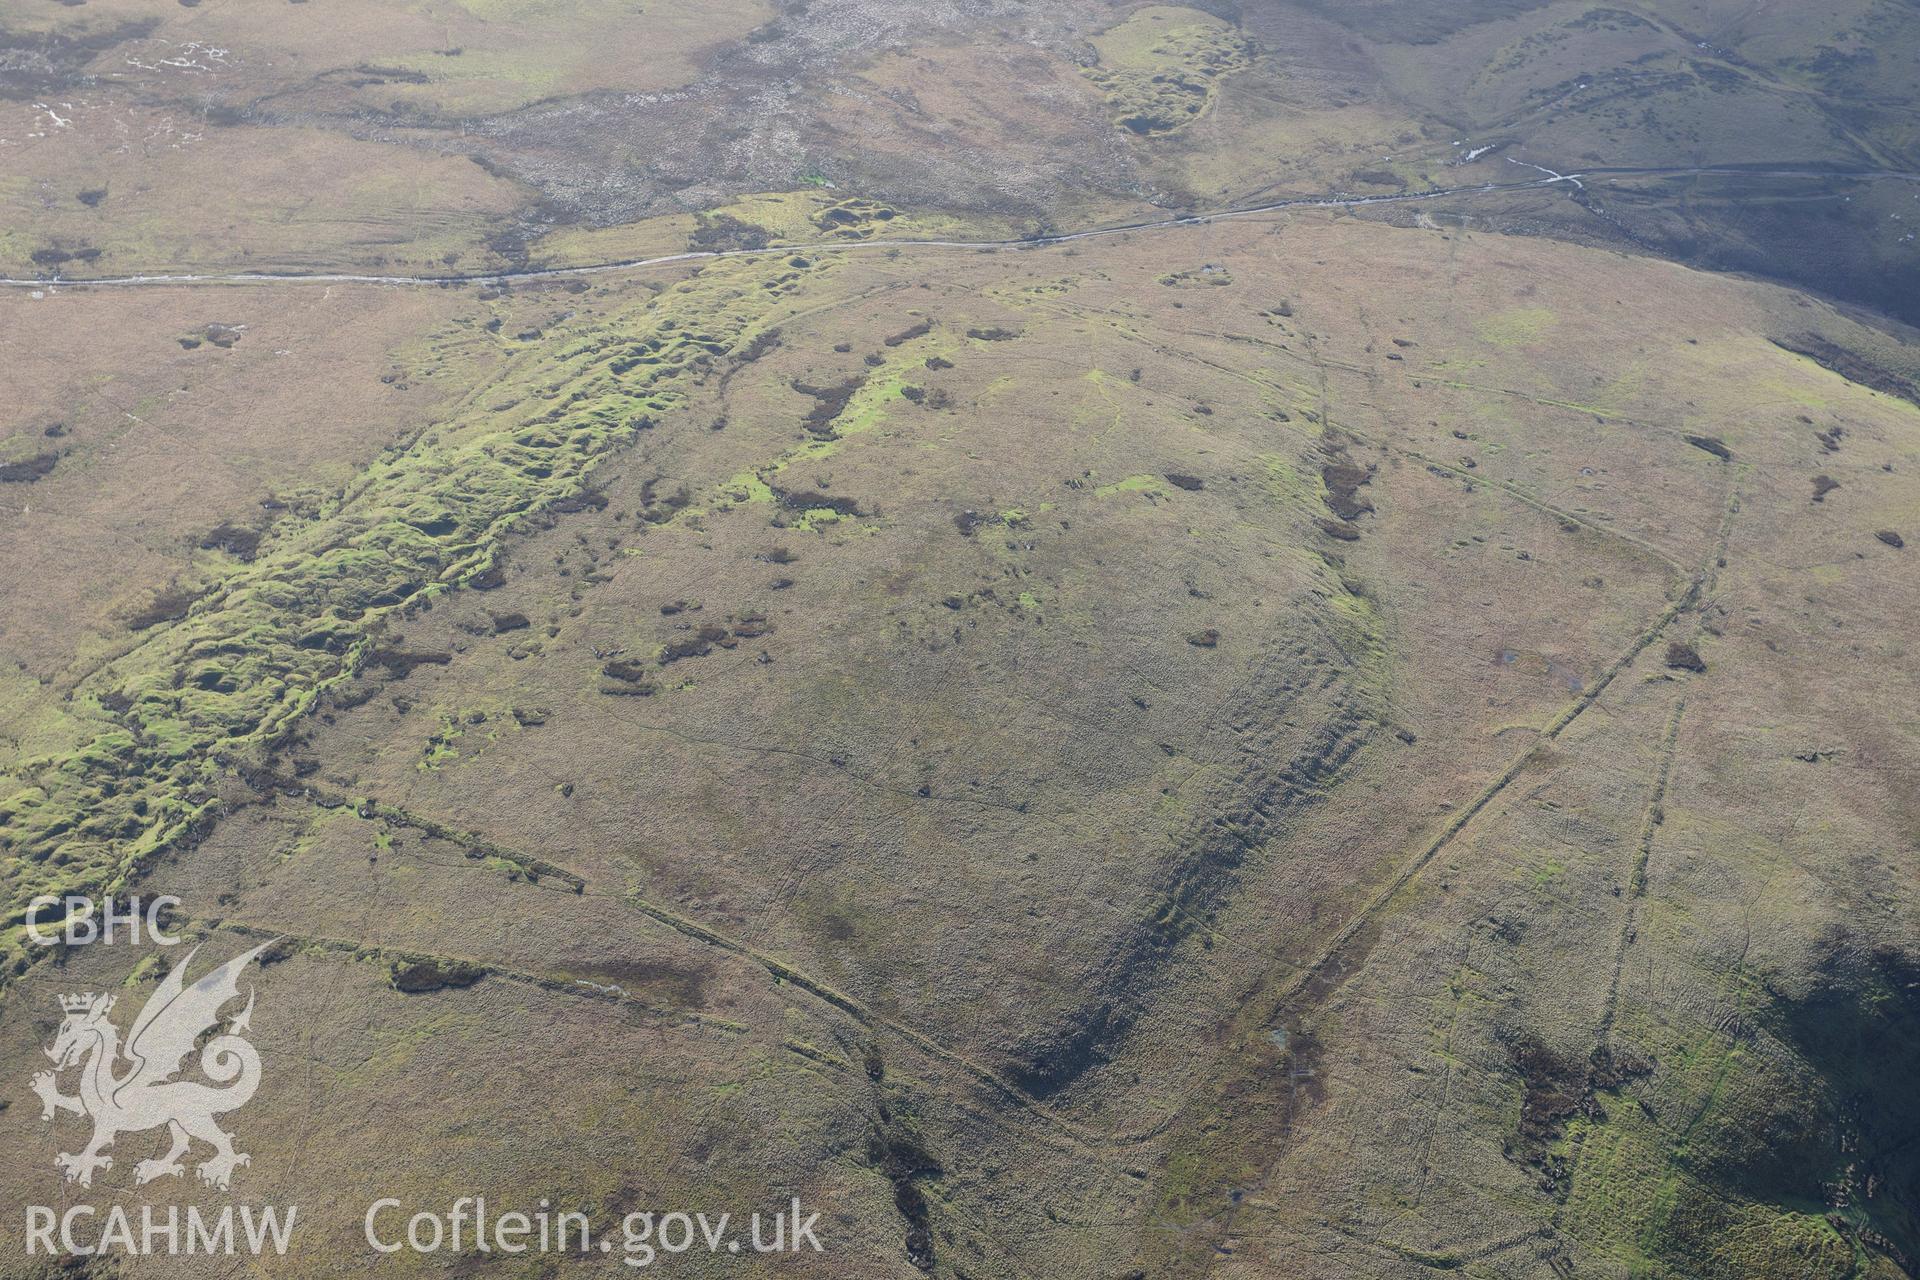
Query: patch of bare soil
(830,402)
(237,541)
(1343,481)
(170,605)
(28,470)
(1684,657)
(416,977)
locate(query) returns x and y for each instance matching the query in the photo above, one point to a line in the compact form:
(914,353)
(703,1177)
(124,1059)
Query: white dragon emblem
(145,1094)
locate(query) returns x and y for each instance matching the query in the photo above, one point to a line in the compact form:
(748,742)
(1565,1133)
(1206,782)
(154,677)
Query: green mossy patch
(1160,69)
(208,695)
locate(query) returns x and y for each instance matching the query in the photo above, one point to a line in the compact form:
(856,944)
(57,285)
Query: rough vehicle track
(1303,982)
(1328,201)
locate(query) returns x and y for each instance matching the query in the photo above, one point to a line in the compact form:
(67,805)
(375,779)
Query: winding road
(1334,201)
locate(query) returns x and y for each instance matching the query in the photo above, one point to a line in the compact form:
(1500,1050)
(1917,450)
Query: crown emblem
(176,1023)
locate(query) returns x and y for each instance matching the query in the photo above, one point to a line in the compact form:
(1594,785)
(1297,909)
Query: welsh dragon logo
(131,1088)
